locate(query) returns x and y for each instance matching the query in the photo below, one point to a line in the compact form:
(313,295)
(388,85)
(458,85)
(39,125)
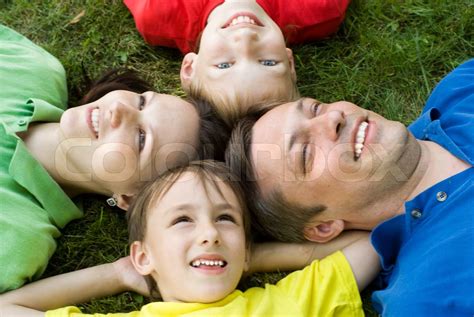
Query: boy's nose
(209,235)
(245,36)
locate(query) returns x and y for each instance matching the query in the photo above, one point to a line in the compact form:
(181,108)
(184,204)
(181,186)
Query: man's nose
(330,124)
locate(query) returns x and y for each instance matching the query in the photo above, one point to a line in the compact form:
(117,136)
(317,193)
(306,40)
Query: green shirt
(32,205)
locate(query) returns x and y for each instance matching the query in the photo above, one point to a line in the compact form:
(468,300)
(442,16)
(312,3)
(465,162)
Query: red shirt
(178,23)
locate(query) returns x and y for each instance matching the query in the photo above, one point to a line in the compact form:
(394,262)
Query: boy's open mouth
(209,263)
(242,18)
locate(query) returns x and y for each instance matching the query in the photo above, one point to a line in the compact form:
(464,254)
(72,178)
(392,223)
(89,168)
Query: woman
(120,138)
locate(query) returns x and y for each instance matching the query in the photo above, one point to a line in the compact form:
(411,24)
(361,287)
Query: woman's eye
(223,65)
(226,217)
(141,139)
(181,219)
(268,62)
(141,104)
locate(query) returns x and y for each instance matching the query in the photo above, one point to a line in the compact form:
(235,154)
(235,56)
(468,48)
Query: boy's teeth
(198,263)
(360,138)
(242,19)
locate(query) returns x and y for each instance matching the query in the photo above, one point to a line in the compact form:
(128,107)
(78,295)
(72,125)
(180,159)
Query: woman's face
(125,138)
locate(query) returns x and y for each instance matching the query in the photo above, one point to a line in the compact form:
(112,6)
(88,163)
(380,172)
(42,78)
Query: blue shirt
(427,254)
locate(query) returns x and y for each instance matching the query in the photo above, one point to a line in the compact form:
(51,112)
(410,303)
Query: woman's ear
(248,254)
(323,231)
(187,70)
(291,60)
(140,260)
(123,201)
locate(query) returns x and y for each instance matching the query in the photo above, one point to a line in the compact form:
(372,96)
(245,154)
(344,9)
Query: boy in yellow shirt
(189,234)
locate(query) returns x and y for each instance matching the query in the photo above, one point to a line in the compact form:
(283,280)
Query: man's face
(338,155)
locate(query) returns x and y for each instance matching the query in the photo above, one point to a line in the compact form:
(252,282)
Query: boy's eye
(224,65)
(181,219)
(141,139)
(141,103)
(226,217)
(268,62)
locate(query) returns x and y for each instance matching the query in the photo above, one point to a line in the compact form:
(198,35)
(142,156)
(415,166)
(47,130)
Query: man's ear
(289,53)
(187,70)
(140,260)
(323,231)
(123,201)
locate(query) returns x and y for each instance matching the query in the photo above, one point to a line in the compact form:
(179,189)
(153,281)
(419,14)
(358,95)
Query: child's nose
(245,36)
(210,235)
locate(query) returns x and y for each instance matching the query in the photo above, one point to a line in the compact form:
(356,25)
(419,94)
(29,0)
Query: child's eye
(224,65)
(181,219)
(141,103)
(141,139)
(268,62)
(226,217)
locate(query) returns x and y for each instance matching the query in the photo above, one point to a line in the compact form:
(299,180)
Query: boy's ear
(187,70)
(323,231)
(248,253)
(123,201)
(140,260)
(289,53)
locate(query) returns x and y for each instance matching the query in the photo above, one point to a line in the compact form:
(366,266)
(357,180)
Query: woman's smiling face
(125,138)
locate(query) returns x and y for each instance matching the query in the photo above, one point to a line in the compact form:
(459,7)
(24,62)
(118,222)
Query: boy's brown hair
(209,173)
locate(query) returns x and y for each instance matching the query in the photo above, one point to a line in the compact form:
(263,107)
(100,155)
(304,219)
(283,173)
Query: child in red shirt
(242,59)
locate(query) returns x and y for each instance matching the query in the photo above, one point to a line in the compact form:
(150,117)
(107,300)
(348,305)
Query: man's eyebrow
(299,108)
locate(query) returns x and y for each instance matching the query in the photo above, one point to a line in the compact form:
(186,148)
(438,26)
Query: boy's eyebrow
(190,207)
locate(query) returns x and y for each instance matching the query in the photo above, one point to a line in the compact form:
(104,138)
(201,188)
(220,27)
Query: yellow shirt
(324,288)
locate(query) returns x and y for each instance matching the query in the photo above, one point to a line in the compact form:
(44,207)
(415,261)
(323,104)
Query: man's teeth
(242,19)
(198,263)
(95,121)
(360,138)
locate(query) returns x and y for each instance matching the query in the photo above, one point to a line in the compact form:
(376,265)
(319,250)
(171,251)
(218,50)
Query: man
(318,169)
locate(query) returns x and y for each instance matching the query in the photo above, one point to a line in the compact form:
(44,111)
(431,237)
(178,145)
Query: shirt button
(416,213)
(21,122)
(441,196)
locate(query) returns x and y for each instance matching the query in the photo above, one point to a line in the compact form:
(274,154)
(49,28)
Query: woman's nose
(119,112)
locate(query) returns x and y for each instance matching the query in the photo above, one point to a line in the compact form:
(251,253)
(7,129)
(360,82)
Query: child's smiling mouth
(242,18)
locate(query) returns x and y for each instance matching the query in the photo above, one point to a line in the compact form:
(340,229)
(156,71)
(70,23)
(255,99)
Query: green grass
(387,57)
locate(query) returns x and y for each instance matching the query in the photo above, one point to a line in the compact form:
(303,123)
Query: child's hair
(229,108)
(209,173)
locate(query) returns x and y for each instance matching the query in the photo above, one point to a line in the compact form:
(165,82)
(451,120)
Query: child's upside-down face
(194,245)
(242,52)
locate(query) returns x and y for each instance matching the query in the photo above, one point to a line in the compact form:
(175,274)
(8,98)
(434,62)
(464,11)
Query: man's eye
(268,62)
(141,139)
(304,158)
(181,219)
(226,217)
(315,107)
(223,65)
(141,104)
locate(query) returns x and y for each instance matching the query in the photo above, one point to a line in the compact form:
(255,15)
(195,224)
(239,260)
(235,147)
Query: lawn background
(387,57)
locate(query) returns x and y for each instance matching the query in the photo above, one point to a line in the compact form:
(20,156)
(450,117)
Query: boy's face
(242,52)
(194,245)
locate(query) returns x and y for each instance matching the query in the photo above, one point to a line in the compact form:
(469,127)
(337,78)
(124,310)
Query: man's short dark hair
(272,215)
